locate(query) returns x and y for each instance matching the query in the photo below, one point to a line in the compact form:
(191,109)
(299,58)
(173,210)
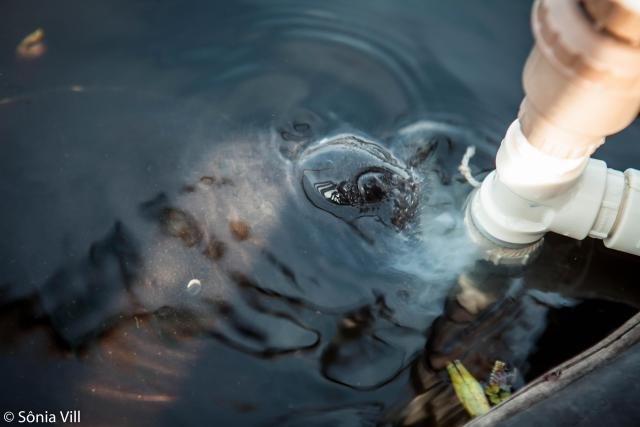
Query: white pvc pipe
(531,193)
(581,84)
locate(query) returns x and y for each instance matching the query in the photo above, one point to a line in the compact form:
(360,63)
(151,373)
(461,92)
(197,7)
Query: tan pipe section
(582,78)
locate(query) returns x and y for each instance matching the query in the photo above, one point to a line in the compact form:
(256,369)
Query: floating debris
(468,389)
(472,395)
(500,382)
(465,169)
(32,46)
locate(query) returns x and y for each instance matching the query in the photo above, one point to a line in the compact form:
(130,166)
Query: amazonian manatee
(334,249)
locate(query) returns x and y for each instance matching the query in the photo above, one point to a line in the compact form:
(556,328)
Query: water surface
(248,213)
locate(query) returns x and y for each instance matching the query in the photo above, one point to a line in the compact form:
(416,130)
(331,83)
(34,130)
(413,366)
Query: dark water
(248,213)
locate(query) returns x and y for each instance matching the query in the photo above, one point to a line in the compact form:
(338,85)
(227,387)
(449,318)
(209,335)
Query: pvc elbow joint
(531,193)
(582,82)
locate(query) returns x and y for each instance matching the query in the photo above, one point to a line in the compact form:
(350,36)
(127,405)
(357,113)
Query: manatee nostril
(352,178)
(375,186)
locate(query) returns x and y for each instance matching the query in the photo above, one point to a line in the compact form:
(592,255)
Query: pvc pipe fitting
(531,193)
(625,232)
(582,82)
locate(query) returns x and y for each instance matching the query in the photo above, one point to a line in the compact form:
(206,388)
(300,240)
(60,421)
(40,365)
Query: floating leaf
(499,387)
(468,389)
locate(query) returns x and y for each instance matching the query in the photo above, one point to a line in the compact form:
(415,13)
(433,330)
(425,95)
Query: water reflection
(504,314)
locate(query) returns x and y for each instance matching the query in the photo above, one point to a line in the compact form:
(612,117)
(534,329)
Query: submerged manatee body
(336,252)
(294,242)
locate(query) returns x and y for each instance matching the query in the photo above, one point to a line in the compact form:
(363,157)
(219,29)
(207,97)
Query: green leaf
(468,389)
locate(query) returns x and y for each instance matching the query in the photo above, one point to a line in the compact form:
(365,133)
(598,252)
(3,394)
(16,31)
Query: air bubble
(194,287)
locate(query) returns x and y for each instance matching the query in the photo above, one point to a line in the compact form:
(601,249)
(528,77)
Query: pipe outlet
(531,193)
